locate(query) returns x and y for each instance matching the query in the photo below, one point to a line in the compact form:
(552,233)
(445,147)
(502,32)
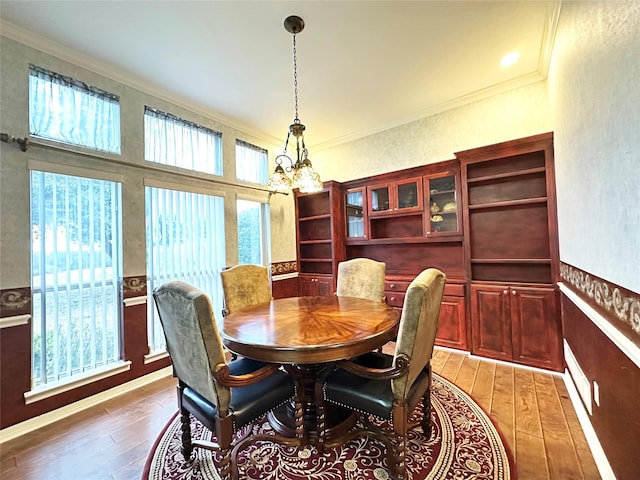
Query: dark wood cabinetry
(320,237)
(516,323)
(512,252)
(487,219)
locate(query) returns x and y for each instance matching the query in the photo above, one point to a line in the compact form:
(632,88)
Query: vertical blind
(76,271)
(185,241)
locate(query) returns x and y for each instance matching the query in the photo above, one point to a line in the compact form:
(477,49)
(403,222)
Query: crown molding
(43,44)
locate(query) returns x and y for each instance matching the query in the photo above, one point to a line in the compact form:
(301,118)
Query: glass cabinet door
(444,217)
(355,214)
(409,195)
(380,199)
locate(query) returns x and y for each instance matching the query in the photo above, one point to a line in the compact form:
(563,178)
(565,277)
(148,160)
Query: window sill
(154,357)
(50,390)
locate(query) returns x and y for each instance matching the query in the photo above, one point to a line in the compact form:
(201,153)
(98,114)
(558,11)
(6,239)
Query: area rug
(463,444)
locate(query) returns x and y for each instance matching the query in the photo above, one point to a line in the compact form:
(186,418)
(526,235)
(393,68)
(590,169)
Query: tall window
(253,232)
(185,241)
(76,265)
(252,163)
(173,141)
(66,110)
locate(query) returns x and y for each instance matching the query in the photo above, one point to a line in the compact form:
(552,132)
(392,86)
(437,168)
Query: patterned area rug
(464,444)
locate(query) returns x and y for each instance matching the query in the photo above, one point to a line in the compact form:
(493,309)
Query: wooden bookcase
(511,251)
(320,236)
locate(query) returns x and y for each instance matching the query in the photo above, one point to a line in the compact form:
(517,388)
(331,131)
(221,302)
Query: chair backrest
(418,326)
(245,285)
(362,278)
(193,339)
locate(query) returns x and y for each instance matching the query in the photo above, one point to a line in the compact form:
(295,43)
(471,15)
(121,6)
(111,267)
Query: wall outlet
(596,393)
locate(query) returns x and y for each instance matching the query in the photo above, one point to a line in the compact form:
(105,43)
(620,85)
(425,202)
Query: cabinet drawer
(395,299)
(454,290)
(396,285)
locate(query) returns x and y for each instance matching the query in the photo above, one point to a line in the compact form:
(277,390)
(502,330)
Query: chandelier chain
(295,78)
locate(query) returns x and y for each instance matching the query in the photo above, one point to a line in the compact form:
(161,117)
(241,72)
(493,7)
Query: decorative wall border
(282,268)
(15,302)
(614,301)
(134,286)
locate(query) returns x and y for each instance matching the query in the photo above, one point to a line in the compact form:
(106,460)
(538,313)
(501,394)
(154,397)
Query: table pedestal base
(338,421)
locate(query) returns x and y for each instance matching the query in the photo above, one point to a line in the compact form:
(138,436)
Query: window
(185,241)
(253,232)
(252,163)
(66,110)
(76,265)
(169,140)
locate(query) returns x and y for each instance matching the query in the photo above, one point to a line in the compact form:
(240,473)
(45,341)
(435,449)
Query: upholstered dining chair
(362,278)
(391,386)
(222,396)
(245,285)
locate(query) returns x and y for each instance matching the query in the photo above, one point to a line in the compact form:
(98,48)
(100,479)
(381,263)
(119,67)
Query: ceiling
(363,66)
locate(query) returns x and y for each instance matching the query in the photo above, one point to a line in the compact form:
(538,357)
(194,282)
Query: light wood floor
(112,440)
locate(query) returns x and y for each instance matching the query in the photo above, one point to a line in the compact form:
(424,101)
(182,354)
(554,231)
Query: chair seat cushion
(370,396)
(247,403)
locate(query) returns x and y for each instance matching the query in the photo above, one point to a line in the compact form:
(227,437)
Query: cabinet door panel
(536,327)
(324,286)
(452,328)
(307,286)
(490,321)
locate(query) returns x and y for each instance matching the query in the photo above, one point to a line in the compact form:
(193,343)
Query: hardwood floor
(111,441)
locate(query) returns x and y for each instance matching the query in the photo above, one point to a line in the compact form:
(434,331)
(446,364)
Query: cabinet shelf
(491,261)
(314,217)
(509,203)
(316,260)
(405,240)
(312,242)
(442,192)
(506,175)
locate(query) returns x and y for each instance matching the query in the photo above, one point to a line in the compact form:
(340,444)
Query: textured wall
(518,113)
(595,108)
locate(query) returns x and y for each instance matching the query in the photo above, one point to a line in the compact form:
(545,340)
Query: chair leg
(185,426)
(426,414)
(399,469)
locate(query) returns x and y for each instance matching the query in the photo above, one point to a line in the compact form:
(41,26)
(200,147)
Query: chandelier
(304,177)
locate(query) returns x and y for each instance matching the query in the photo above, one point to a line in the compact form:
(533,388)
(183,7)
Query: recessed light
(509,59)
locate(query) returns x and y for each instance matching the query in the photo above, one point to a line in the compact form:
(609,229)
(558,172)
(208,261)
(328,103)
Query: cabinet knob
(392,299)
(504,292)
(393,285)
(513,292)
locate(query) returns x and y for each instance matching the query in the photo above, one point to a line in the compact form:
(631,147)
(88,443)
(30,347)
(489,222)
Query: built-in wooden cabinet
(319,232)
(487,219)
(395,197)
(355,214)
(314,285)
(443,204)
(511,250)
(516,323)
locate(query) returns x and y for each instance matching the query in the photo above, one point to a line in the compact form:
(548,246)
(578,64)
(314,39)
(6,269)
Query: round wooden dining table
(306,334)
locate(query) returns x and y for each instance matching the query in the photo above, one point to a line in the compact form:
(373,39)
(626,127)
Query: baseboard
(592,439)
(48,418)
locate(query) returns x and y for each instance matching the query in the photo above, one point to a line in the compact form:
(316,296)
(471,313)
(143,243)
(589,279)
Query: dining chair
(362,278)
(223,396)
(245,285)
(390,386)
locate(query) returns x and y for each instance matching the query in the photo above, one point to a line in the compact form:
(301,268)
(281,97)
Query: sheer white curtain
(252,163)
(170,140)
(67,110)
(185,241)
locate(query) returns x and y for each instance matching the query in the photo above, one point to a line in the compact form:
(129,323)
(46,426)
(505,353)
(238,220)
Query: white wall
(595,109)
(514,114)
